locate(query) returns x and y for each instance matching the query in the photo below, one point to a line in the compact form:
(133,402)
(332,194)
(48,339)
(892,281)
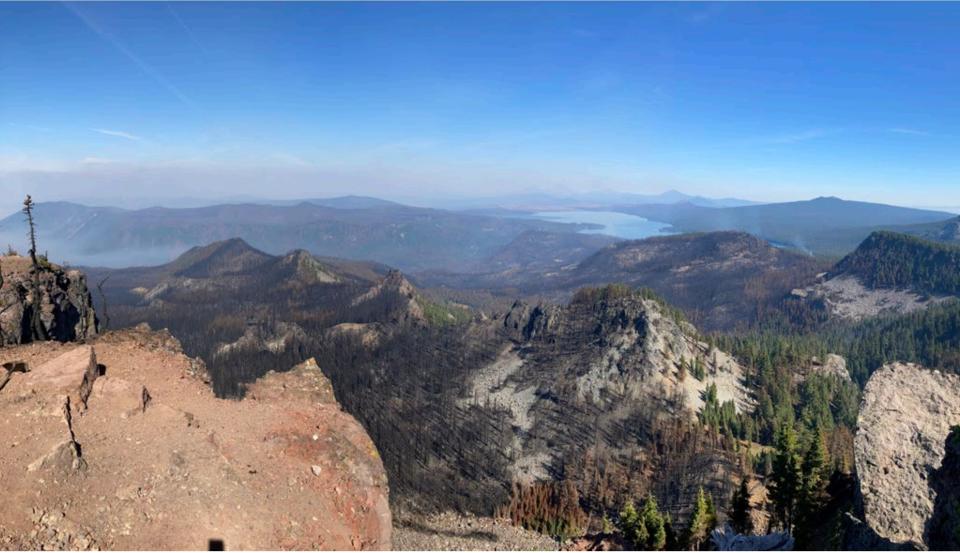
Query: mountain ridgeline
(824,226)
(409,238)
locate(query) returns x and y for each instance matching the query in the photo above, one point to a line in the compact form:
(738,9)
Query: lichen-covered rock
(65,305)
(905,418)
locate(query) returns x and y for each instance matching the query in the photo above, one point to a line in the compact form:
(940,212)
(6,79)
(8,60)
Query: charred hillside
(595,395)
(247,312)
(602,394)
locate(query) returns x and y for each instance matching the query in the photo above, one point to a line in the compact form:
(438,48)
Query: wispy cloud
(187,30)
(123,49)
(120,134)
(93,160)
(909,131)
(802,136)
(36,128)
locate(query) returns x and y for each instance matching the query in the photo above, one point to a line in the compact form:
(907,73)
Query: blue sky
(764,101)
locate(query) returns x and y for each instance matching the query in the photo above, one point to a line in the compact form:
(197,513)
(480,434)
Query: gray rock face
(613,372)
(904,421)
(65,305)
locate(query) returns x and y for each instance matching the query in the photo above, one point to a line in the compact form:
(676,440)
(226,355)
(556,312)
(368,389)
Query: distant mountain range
(825,226)
(592,200)
(416,239)
(408,238)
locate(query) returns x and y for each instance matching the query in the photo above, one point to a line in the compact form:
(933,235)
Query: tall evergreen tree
(646,530)
(813,494)
(787,477)
(740,509)
(702,521)
(653,524)
(37,328)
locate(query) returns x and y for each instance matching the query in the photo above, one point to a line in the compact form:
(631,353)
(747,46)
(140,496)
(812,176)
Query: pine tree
(646,530)
(629,520)
(653,524)
(787,477)
(39,332)
(702,521)
(813,493)
(740,509)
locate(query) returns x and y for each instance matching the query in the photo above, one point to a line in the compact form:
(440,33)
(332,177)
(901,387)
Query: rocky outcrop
(614,371)
(408,308)
(263,336)
(831,366)
(119,444)
(65,306)
(900,446)
(632,347)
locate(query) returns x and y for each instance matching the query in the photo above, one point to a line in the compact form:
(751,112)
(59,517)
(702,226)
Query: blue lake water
(621,225)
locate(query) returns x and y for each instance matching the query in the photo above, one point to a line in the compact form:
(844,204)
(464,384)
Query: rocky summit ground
(120,444)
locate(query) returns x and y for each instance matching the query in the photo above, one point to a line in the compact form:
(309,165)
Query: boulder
(72,373)
(905,418)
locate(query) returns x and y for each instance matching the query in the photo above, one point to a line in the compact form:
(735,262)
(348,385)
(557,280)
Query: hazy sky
(763,101)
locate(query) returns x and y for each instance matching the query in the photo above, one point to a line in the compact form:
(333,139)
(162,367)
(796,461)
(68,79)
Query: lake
(621,225)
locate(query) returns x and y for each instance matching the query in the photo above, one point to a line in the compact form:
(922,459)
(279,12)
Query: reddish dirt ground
(160,463)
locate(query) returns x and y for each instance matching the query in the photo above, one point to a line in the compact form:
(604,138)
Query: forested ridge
(893,260)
